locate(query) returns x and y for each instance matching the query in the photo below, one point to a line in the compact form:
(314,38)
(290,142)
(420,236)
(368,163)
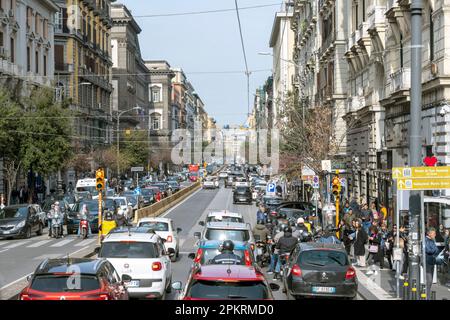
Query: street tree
(135,147)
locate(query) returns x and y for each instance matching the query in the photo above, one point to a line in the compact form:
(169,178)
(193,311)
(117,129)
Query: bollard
(405,290)
(423,290)
(433,295)
(414,290)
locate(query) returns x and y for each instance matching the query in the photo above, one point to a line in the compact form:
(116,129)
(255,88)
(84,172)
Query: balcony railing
(401,80)
(95,78)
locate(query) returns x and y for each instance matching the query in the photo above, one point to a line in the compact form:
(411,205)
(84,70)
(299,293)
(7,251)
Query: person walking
(365,217)
(261,214)
(21,194)
(359,244)
(375,251)
(405,254)
(431,252)
(386,244)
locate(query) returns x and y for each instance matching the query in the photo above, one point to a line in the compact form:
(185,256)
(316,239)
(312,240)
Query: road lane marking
(39,244)
(61,243)
(85,242)
(372,286)
(180,203)
(2,243)
(16,244)
(1,251)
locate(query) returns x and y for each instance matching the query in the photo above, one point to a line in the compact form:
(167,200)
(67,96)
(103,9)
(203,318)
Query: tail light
(156,266)
(103,296)
(24,297)
(198,256)
(296,271)
(351,274)
(169,239)
(273,213)
(248,261)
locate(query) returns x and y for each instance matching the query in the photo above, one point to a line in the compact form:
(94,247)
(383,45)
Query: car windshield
(209,254)
(173,183)
(242,190)
(251,290)
(109,204)
(120,201)
(155,225)
(322,258)
(8,213)
(224,219)
(132,200)
(128,249)
(61,283)
(221,234)
(272,201)
(290,213)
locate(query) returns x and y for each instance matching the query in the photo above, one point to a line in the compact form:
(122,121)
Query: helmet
(300,220)
(228,245)
(287,229)
(57,203)
(305,236)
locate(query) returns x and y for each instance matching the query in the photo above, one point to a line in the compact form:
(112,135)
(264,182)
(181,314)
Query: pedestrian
(346,207)
(374,215)
(348,230)
(383,212)
(386,244)
(440,234)
(261,213)
(359,244)
(365,217)
(405,253)
(375,252)
(21,194)
(431,252)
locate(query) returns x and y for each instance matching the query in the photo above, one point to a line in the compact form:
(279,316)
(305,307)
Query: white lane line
(17,244)
(61,243)
(1,251)
(2,243)
(176,206)
(85,242)
(39,244)
(371,285)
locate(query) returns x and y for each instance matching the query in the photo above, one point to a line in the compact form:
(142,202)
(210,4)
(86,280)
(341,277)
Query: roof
(315,245)
(224,213)
(227,225)
(86,266)
(133,236)
(228,273)
(214,244)
(276,26)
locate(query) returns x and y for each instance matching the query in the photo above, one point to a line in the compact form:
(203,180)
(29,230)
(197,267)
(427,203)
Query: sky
(210,42)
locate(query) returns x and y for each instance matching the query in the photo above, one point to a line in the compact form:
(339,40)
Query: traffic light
(336,186)
(100,180)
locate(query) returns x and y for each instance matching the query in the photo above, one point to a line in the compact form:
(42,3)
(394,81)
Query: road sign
(421,172)
(137,169)
(423,184)
(316,182)
(326,165)
(271,188)
(137,191)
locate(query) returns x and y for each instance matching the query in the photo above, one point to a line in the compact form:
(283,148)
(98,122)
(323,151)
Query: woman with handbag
(360,240)
(375,250)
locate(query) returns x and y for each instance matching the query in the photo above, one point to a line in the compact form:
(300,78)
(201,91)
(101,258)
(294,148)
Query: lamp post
(118,136)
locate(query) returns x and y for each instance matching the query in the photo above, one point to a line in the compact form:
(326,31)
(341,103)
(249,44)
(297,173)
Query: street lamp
(118,135)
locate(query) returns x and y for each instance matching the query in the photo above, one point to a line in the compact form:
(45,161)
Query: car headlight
(21,224)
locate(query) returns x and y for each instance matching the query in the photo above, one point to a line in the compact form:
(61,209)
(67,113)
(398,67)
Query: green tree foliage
(135,147)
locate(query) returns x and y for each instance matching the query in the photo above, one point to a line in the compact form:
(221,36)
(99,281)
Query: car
(174,186)
(222,216)
(96,280)
(81,195)
(229,181)
(223,175)
(194,176)
(133,200)
(157,193)
(148,196)
(164,227)
(242,194)
(292,214)
(73,218)
(163,187)
(143,259)
(307,207)
(128,229)
(271,202)
(124,207)
(20,221)
(138,198)
(110,205)
(233,231)
(210,183)
(320,270)
(226,282)
(208,249)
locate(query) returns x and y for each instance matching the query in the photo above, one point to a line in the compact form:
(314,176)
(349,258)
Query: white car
(210,183)
(141,257)
(165,229)
(222,216)
(125,207)
(223,175)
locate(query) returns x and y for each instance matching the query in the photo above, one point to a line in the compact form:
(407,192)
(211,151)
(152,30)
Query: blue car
(208,249)
(73,219)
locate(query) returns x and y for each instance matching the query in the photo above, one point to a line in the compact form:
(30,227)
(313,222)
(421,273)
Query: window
(59,19)
(36,24)
(36,61)
(156,122)
(45,65)
(45,31)
(401,51)
(29,17)
(28,59)
(1,39)
(431,36)
(13,51)
(156,95)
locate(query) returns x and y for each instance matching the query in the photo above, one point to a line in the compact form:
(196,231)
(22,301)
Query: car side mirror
(197,235)
(201,223)
(29,278)
(126,278)
(191,256)
(177,286)
(274,286)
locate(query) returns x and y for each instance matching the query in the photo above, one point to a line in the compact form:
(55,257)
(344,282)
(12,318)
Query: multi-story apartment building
(178,99)
(130,75)
(83,66)
(26,48)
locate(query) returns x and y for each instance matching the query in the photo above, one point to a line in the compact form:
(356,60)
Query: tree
(135,147)
(47,133)
(11,139)
(107,158)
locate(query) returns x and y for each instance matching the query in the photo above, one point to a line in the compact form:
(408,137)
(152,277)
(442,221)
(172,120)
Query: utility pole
(415,139)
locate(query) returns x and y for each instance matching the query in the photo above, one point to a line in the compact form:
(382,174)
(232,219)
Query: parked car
(143,259)
(242,194)
(208,249)
(165,228)
(20,221)
(97,280)
(225,282)
(320,270)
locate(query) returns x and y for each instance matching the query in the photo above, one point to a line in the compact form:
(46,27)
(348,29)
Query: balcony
(11,69)
(63,67)
(361,34)
(401,80)
(95,78)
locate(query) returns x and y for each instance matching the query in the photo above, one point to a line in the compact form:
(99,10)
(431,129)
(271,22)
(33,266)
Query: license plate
(132,284)
(243,199)
(6,232)
(323,289)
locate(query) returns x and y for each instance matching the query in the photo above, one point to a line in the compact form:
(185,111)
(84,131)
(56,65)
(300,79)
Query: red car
(226,282)
(75,279)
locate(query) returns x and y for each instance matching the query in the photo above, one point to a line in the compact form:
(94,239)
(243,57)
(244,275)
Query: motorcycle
(57,227)
(284,258)
(84,225)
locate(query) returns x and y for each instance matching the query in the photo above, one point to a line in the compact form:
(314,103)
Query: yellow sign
(423,184)
(421,172)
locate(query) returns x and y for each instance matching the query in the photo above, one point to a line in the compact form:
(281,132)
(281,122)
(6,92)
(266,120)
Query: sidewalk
(383,285)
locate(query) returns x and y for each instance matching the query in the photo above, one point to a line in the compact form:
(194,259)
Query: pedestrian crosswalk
(7,245)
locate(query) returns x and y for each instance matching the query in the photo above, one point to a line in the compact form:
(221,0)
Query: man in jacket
(431,252)
(227,255)
(285,245)
(365,217)
(260,231)
(300,228)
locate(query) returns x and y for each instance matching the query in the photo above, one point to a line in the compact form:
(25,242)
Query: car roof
(226,273)
(224,213)
(86,266)
(132,236)
(227,225)
(154,219)
(305,246)
(125,229)
(214,244)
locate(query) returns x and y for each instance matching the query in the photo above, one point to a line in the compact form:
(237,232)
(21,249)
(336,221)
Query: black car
(271,202)
(307,207)
(242,194)
(163,186)
(320,270)
(20,221)
(110,205)
(148,197)
(174,185)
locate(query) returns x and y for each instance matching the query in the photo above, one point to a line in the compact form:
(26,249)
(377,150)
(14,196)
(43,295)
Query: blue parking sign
(271,187)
